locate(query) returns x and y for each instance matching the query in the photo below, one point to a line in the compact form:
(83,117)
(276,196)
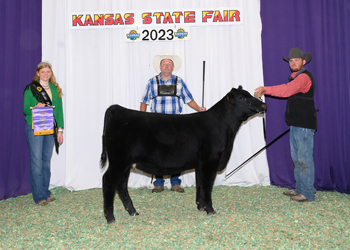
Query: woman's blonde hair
(52,78)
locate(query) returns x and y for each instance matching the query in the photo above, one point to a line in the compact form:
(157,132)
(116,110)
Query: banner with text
(153,18)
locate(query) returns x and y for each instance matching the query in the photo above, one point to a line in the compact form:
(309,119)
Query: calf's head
(244,104)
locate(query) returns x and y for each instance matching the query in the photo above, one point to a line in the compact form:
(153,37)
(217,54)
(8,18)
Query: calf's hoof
(200,206)
(110,219)
(201,209)
(211,213)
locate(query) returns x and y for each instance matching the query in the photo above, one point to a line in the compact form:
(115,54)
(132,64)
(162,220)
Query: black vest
(301,110)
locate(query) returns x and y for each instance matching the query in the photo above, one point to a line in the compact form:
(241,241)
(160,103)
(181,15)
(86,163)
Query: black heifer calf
(163,144)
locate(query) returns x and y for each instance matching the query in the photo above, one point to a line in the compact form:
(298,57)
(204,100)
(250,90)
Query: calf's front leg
(208,177)
(199,189)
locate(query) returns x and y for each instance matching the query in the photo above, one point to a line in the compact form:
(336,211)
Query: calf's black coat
(162,144)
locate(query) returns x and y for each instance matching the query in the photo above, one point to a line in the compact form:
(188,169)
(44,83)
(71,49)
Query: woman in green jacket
(44,90)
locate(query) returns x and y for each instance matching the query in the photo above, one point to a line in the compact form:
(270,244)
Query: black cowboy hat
(297,53)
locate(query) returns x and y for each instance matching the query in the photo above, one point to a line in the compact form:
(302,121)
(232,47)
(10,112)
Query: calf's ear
(240,87)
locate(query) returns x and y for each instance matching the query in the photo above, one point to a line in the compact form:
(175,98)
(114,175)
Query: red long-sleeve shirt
(300,84)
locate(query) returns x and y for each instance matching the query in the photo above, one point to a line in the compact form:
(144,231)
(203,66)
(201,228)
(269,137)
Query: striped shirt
(166,104)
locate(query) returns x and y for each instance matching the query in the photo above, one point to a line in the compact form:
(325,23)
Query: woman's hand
(40,105)
(60,137)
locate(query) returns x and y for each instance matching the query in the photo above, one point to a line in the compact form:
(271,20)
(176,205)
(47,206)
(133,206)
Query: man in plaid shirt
(166,94)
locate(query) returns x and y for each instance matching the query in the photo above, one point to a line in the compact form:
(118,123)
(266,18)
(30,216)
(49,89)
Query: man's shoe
(177,188)
(157,189)
(42,203)
(299,198)
(50,199)
(290,193)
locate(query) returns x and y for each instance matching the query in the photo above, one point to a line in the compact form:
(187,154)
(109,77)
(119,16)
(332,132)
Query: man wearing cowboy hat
(164,93)
(301,117)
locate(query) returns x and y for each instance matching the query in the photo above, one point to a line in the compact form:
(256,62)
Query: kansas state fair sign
(163,25)
(145,19)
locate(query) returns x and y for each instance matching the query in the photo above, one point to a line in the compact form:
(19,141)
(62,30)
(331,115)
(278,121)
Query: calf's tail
(104,151)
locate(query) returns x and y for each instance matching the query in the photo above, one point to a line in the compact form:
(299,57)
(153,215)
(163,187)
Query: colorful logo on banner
(157,34)
(181,34)
(156,18)
(133,35)
(43,121)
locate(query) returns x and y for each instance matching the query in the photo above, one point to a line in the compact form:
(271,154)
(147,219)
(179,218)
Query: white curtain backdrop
(97,68)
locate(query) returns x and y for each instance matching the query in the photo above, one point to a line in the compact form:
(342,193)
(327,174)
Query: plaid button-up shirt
(166,104)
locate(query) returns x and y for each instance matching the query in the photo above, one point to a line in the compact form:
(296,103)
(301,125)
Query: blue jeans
(40,151)
(302,149)
(174,180)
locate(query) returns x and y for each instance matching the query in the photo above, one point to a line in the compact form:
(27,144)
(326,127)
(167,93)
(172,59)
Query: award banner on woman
(43,121)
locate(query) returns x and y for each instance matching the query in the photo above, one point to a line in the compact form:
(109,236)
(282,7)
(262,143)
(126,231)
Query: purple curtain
(20,52)
(317,26)
(320,27)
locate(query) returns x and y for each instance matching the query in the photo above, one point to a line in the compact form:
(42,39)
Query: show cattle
(162,144)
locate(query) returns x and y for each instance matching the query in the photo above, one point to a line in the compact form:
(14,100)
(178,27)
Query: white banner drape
(97,68)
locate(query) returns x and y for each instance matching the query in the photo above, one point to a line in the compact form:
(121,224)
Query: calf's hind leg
(113,183)
(108,189)
(122,189)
